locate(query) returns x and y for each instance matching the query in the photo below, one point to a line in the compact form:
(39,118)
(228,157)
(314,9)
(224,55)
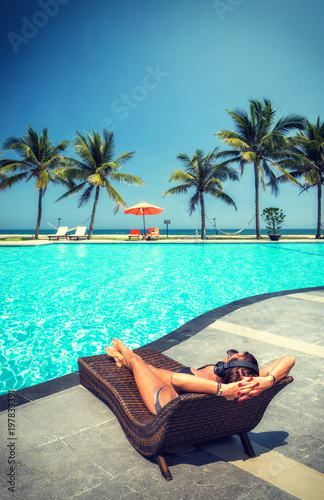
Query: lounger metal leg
(163,467)
(247,444)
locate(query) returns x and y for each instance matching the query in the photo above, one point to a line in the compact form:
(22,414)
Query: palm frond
(59,175)
(228,134)
(84,150)
(9,141)
(218,193)
(124,158)
(114,195)
(72,191)
(223,171)
(108,150)
(70,173)
(177,190)
(249,156)
(213,183)
(193,202)
(312,178)
(235,141)
(85,197)
(8,166)
(179,175)
(288,176)
(242,124)
(60,147)
(126,178)
(288,123)
(8,182)
(184,159)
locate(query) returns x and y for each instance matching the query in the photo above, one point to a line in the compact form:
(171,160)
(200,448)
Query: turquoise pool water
(60,302)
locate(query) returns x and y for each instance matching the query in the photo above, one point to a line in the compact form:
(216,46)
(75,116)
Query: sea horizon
(171,232)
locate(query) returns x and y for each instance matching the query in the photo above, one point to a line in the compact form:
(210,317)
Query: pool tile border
(184,332)
(197,324)
(41,390)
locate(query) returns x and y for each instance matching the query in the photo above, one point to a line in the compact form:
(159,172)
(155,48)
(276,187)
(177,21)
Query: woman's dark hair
(234,374)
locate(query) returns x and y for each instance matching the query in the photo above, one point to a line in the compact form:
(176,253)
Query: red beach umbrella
(143,208)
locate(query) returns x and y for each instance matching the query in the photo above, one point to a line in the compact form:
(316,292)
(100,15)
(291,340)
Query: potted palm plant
(273,217)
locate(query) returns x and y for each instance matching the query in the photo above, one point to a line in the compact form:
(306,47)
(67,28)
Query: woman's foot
(128,354)
(118,357)
(119,346)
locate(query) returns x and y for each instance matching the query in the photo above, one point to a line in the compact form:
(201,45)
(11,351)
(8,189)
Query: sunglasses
(230,353)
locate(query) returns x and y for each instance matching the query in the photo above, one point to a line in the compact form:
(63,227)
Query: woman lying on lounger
(236,376)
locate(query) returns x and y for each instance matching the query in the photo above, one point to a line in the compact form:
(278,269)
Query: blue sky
(161,75)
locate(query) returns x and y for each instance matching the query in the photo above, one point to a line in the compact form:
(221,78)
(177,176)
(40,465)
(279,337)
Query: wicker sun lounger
(189,419)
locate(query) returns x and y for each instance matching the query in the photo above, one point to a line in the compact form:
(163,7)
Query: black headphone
(221,367)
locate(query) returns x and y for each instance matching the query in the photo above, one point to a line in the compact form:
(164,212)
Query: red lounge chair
(153,233)
(134,233)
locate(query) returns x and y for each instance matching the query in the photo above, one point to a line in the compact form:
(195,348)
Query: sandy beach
(28,239)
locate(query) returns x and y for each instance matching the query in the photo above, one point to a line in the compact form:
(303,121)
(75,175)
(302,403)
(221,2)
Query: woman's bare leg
(118,357)
(146,380)
(164,375)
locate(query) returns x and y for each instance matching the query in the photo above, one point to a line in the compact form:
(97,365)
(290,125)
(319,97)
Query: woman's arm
(279,369)
(245,389)
(275,371)
(182,383)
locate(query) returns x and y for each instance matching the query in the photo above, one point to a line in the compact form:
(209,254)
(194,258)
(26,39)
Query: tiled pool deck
(70,445)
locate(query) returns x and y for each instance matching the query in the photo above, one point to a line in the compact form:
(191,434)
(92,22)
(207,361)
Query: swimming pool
(59,302)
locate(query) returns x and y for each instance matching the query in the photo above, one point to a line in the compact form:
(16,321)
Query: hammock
(69,230)
(237,232)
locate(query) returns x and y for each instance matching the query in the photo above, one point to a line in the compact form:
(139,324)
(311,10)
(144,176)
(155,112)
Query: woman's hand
(239,389)
(246,388)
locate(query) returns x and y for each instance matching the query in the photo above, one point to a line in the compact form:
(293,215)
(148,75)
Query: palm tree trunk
(257,208)
(93,212)
(319,210)
(39,215)
(202,205)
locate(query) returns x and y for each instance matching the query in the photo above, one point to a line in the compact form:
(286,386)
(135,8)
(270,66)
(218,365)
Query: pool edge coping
(177,336)
(184,241)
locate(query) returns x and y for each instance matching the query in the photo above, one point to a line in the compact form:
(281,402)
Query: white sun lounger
(80,233)
(61,233)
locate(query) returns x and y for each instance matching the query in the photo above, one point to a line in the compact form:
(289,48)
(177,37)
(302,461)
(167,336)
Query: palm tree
(260,142)
(2,175)
(39,160)
(307,161)
(205,177)
(97,169)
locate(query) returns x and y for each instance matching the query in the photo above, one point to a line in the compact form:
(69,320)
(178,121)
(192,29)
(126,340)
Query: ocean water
(162,230)
(61,302)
